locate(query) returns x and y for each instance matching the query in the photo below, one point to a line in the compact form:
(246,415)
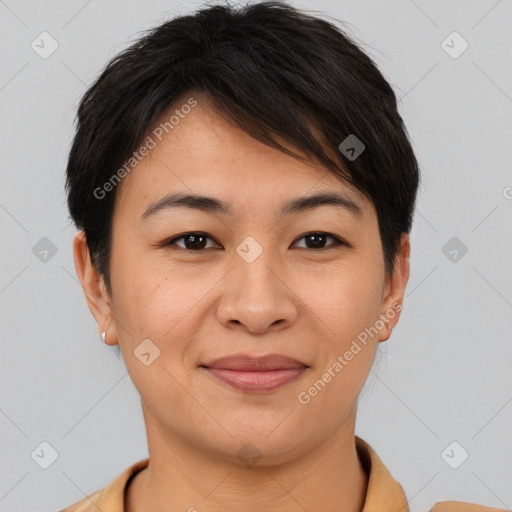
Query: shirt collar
(383,494)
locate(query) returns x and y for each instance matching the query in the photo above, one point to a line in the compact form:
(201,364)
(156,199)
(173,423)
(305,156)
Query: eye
(317,240)
(196,241)
(193,241)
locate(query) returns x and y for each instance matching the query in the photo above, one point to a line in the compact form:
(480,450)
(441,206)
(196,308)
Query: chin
(262,443)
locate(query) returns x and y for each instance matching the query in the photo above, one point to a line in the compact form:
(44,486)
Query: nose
(256,297)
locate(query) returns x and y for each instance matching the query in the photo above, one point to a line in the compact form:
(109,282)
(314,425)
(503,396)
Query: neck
(179,477)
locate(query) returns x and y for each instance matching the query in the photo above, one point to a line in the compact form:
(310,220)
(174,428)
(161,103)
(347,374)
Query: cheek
(161,302)
(347,303)
(347,299)
(153,306)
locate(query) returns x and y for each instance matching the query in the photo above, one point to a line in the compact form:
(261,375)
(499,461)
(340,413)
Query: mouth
(255,374)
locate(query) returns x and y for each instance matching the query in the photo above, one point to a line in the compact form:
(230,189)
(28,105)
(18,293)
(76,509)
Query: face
(193,283)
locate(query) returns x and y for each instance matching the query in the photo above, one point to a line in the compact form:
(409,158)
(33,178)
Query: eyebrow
(213,205)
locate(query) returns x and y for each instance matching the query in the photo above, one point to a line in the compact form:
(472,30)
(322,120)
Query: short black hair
(276,71)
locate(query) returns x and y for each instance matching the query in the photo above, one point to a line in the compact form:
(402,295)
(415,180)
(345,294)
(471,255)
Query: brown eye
(197,241)
(317,240)
(194,241)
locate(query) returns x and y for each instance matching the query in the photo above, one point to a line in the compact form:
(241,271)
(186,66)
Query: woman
(244,188)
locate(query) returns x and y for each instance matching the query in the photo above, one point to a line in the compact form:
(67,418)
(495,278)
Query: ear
(94,288)
(394,289)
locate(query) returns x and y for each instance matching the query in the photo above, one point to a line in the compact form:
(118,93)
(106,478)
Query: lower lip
(256,381)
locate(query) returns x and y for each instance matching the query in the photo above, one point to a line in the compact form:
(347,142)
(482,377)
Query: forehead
(201,152)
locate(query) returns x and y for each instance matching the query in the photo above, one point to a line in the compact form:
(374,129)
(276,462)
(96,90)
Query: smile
(255,374)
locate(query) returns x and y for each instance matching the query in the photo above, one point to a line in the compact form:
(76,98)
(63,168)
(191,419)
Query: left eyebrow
(213,205)
(304,203)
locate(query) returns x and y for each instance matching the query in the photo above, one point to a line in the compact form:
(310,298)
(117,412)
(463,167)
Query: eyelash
(337,241)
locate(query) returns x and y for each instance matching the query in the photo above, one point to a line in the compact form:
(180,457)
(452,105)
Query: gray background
(445,373)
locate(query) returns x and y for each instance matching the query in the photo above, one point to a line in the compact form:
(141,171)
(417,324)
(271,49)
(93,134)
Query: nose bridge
(255,265)
(256,295)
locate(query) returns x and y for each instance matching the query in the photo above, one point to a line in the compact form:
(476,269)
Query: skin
(309,304)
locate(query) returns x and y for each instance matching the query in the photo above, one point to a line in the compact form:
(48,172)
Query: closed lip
(247,363)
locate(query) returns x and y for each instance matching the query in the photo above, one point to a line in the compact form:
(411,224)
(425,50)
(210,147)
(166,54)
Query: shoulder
(111,498)
(459,506)
(88,504)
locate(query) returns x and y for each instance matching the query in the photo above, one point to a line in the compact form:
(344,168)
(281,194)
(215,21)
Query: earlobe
(92,283)
(388,328)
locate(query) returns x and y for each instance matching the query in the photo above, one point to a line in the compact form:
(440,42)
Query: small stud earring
(103,335)
(390,328)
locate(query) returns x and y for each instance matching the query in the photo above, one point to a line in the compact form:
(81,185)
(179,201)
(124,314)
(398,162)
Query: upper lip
(244,362)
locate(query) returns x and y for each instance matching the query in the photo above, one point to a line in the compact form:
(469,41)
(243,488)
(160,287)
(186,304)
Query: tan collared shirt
(383,494)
